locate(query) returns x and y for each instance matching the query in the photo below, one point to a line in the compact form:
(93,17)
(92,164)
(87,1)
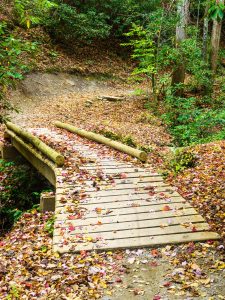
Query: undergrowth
(20,190)
(180,160)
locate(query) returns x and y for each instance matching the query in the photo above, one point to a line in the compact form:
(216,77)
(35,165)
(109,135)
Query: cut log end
(60,160)
(143,156)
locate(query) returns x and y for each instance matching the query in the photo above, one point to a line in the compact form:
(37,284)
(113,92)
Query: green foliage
(49,226)
(216,10)
(119,14)
(143,50)
(14,293)
(181,160)
(152,48)
(20,189)
(191,124)
(11,67)
(32,12)
(67,24)
(76,21)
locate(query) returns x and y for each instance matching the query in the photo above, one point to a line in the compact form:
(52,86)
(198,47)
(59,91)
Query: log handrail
(106,141)
(53,155)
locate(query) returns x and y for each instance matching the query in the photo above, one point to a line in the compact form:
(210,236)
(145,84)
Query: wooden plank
(132,225)
(119,204)
(138,242)
(124,218)
(139,232)
(117,172)
(137,180)
(113,170)
(123,186)
(135,175)
(166,190)
(176,207)
(106,164)
(130,210)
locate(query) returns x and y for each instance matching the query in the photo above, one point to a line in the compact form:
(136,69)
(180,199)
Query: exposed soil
(43,98)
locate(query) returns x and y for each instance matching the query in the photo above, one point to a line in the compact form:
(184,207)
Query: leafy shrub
(67,24)
(181,160)
(32,12)
(20,189)
(191,124)
(119,14)
(11,67)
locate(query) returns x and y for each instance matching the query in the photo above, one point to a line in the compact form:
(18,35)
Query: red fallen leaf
(123,175)
(118,280)
(194,229)
(157,297)
(151,193)
(28,285)
(167,284)
(71,217)
(71,228)
(155,252)
(210,242)
(161,194)
(83,253)
(2,244)
(119,257)
(26,215)
(149,188)
(166,208)
(99,223)
(153,264)
(63,200)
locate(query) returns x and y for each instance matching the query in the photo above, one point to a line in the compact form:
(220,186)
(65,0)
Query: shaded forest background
(184,74)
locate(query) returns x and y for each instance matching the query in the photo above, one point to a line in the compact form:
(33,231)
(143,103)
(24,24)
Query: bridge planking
(137,210)
(133,211)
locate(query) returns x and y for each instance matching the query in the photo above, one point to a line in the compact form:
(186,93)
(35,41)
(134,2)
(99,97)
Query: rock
(70,82)
(88,103)
(112,98)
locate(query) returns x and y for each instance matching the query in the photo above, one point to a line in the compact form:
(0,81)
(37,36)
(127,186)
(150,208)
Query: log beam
(43,165)
(106,141)
(36,142)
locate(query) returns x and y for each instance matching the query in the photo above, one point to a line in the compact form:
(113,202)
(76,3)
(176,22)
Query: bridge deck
(102,203)
(118,205)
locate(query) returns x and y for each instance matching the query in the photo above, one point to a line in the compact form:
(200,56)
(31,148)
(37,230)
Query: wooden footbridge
(106,203)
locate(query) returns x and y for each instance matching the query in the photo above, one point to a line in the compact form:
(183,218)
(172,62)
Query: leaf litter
(29,269)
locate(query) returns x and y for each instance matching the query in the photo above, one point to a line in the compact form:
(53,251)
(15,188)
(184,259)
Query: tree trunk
(215,40)
(205,39)
(183,13)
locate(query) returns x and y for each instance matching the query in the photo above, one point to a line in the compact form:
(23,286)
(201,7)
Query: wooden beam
(103,140)
(37,143)
(43,165)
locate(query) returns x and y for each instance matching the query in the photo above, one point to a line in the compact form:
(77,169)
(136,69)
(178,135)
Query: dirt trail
(43,98)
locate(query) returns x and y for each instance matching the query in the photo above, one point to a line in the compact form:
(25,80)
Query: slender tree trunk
(183,13)
(215,40)
(205,39)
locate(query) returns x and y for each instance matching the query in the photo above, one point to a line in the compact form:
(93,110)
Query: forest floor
(29,270)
